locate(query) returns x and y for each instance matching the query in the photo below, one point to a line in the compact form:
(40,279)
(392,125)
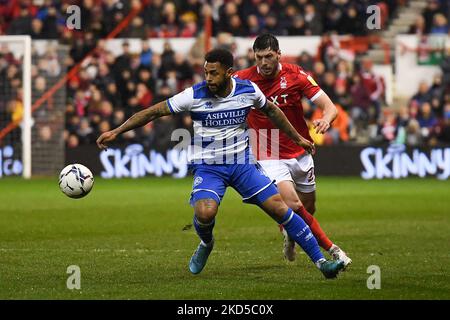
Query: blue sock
(299,231)
(204,230)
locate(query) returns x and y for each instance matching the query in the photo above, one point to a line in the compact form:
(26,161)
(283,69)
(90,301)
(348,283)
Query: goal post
(18,47)
(32,112)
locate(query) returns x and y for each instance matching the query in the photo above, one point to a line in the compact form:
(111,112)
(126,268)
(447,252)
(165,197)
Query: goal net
(31,113)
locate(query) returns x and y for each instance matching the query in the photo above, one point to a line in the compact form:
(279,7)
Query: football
(76,181)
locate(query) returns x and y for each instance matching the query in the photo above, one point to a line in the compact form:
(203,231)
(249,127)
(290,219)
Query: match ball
(76,181)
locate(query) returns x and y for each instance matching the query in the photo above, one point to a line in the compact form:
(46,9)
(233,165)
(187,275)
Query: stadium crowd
(45,19)
(110,88)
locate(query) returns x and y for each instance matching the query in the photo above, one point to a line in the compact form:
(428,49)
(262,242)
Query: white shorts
(299,170)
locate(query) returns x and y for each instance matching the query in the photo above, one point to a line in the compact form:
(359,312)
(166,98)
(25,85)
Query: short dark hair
(266,41)
(224,57)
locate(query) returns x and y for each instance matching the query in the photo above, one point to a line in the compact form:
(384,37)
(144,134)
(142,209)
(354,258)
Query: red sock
(317,231)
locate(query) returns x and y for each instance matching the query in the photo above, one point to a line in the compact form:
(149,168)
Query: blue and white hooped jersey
(220,129)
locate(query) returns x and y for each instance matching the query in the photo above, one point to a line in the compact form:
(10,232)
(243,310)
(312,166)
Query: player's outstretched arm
(280,120)
(137,120)
(329,113)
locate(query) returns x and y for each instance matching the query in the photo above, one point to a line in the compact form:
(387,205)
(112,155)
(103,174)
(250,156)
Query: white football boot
(337,254)
(288,246)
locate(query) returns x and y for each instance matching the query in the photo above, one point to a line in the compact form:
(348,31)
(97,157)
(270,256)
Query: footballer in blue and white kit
(220,155)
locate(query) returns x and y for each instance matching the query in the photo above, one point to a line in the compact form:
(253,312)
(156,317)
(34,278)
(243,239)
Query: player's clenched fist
(105,138)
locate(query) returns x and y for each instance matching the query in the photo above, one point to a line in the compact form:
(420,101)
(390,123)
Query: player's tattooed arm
(137,120)
(280,120)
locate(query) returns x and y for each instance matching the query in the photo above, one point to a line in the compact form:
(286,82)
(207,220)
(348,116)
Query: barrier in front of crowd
(367,162)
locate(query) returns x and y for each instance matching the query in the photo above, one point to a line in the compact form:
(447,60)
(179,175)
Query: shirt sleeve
(308,86)
(182,101)
(260,100)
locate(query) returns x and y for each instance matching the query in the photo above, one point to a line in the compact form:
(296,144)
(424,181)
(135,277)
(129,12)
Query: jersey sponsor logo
(398,162)
(283,83)
(221,118)
(9,165)
(282,99)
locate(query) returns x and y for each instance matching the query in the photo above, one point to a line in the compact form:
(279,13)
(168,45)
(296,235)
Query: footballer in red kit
(289,165)
(286,91)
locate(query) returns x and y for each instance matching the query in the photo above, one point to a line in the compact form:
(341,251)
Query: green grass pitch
(127,238)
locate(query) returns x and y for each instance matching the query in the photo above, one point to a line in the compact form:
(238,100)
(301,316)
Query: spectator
(413,133)
(328,84)
(263,12)
(183,68)
(444,125)
(298,27)
(189,25)
(427,121)
(235,26)
(153,16)
(374,86)
(423,94)
(110,88)
(169,24)
(123,61)
(136,28)
(445,67)
(353,24)
(50,21)
(339,128)
(271,25)
(440,24)
(360,103)
(306,61)
(22,24)
(433,7)
(419,26)
(144,95)
(36,29)
(253,27)
(85,132)
(313,21)
(72,141)
(388,126)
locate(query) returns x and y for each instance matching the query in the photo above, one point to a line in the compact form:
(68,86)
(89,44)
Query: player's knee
(279,208)
(205,212)
(294,204)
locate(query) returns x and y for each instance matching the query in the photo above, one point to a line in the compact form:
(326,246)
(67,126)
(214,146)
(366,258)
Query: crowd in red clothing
(110,88)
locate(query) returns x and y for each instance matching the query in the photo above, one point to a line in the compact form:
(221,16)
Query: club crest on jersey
(197,181)
(242,100)
(283,83)
(208,105)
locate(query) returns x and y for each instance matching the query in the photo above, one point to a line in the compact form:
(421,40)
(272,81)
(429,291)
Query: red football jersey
(286,91)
